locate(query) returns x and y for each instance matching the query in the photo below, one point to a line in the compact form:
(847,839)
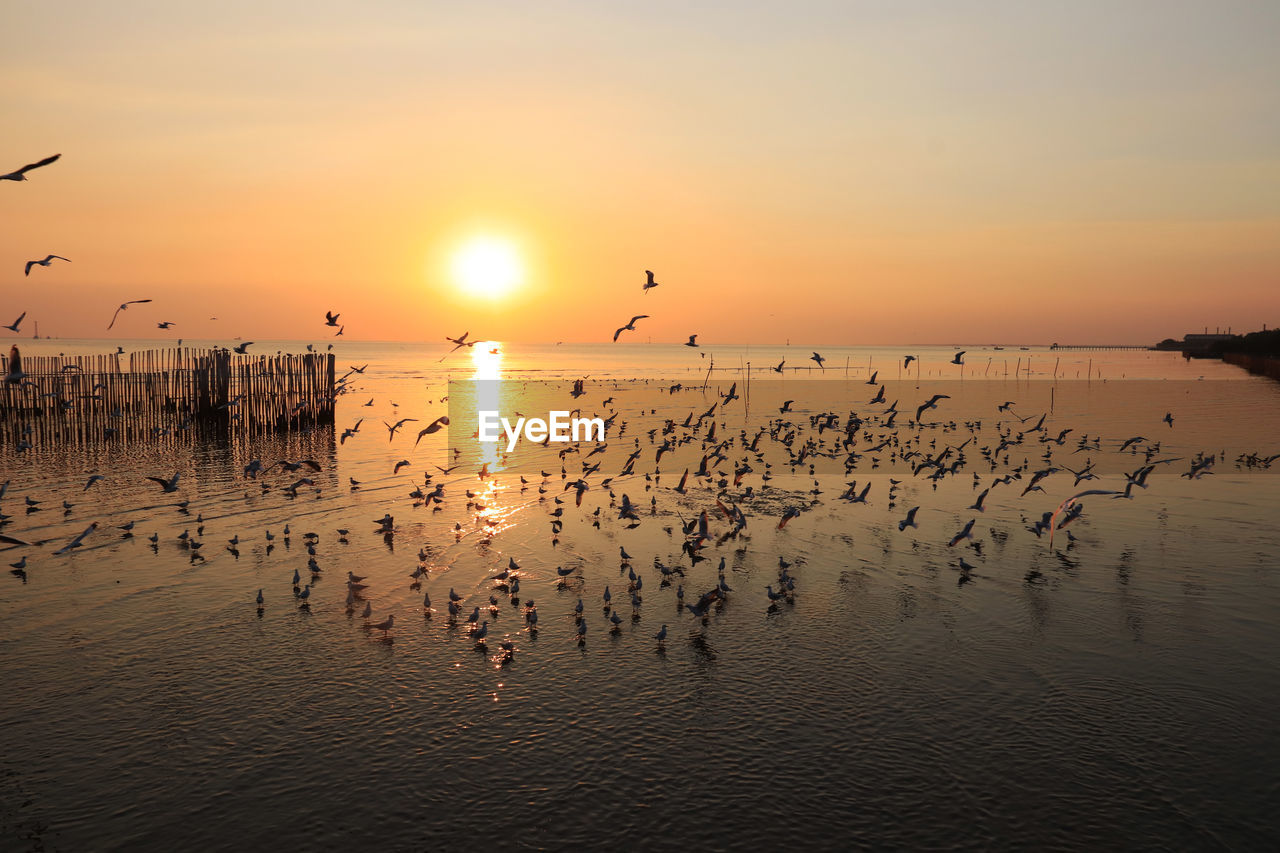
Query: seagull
(1168,416)
(124,306)
(460,341)
(13,327)
(166,324)
(967,533)
(631,325)
(14,374)
(21,174)
(906,361)
(76,542)
(692,342)
(243,348)
(661,636)
(910,520)
(330,318)
(649,283)
(1070,502)
(47,260)
(392,429)
(385,625)
(816,357)
(434,426)
(167,485)
(958,358)
(931,403)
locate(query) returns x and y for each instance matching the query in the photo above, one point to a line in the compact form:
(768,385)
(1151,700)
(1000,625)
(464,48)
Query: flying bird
(14,374)
(165,324)
(692,342)
(48,259)
(76,542)
(931,403)
(21,174)
(1070,502)
(434,426)
(392,429)
(958,358)
(817,358)
(330,318)
(460,342)
(124,306)
(244,347)
(629,327)
(649,282)
(13,327)
(167,485)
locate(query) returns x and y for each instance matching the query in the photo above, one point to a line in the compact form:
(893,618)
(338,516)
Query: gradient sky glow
(838,173)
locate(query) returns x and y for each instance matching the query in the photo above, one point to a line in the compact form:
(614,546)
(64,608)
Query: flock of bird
(726,487)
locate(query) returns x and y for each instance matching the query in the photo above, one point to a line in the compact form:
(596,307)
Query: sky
(833,173)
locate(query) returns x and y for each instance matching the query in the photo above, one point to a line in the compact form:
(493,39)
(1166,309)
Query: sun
(487,267)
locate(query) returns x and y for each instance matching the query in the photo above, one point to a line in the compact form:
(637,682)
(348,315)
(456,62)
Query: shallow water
(1115,690)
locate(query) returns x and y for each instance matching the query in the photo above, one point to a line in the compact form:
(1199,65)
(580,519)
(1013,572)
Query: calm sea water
(1116,690)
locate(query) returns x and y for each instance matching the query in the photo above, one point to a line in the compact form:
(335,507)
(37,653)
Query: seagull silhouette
(14,375)
(48,259)
(630,326)
(13,327)
(168,485)
(330,318)
(649,282)
(692,342)
(124,306)
(21,174)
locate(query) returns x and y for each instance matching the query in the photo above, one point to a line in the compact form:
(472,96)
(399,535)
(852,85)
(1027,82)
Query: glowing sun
(487,267)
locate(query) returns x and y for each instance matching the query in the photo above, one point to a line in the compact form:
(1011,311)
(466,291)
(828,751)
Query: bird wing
(45,162)
(59,257)
(160,480)
(30,264)
(19,320)
(618,332)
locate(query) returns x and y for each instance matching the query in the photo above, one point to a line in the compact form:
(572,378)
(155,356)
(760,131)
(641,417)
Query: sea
(830,678)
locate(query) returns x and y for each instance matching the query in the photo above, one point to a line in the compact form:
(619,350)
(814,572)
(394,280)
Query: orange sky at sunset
(832,173)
